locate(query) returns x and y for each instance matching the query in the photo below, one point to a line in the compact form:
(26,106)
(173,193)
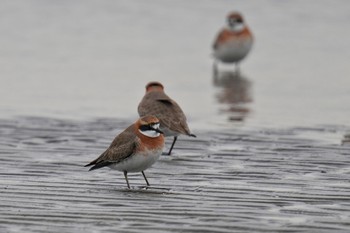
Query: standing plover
(233,42)
(173,121)
(135,149)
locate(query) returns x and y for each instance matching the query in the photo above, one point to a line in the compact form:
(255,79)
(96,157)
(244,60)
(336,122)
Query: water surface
(272,152)
(87,59)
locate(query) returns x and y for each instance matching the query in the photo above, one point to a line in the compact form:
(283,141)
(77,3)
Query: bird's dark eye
(148,127)
(234,21)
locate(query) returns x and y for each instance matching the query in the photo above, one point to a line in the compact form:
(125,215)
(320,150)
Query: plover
(172,119)
(135,149)
(233,42)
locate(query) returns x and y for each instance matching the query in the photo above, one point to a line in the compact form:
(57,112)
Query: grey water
(272,153)
(86,59)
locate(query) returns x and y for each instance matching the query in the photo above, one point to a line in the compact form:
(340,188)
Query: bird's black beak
(157,130)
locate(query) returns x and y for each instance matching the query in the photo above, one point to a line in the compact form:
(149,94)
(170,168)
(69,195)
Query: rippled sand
(238,181)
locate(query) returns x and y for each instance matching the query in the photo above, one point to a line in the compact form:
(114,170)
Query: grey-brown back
(166,110)
(123,146)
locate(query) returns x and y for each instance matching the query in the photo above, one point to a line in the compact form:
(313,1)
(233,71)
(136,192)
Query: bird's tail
(98,164)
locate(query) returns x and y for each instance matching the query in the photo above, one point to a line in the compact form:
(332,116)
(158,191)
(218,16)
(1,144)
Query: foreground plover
(134,150)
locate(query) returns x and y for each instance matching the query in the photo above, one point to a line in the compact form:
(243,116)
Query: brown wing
(166,110)
(122,147)
(223,36)
(226,35)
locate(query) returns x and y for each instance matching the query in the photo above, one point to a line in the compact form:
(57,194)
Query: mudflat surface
(226,181)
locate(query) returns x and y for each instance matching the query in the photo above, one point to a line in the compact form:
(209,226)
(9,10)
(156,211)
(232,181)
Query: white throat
(150,133)
(238,27)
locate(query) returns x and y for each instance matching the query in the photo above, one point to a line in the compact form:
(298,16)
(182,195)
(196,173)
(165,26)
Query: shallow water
(87,59)
(246,181)
(272,152)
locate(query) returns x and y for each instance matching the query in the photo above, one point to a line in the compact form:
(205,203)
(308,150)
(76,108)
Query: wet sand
(224,181)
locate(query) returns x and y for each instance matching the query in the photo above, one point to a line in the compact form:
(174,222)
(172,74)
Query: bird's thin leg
(126,178)
(237,69)
(144,176)
(215,69)
(172,145)
(215,75)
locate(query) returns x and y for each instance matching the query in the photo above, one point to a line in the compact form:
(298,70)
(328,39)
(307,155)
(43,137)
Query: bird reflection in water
(346,140)
(234,92)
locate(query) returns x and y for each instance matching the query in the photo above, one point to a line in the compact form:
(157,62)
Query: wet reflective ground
(241,181)
(88,59)
(272,152)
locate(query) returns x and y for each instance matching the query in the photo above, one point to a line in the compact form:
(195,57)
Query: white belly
(233,51)
(138,162)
